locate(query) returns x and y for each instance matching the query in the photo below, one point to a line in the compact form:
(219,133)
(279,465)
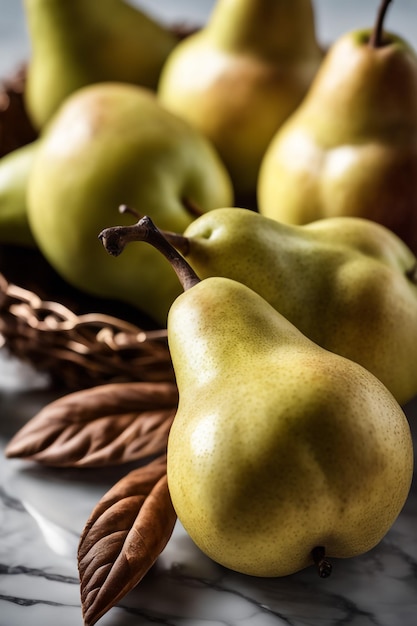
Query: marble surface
(43,511)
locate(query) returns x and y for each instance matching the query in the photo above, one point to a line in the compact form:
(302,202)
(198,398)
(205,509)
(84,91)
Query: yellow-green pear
(15,168)
(351,146)
(240,77)
(112,144)
(281,453)
(349,284)
(78,42)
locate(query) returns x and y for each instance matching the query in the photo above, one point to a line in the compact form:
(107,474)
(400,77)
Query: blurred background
(333,17)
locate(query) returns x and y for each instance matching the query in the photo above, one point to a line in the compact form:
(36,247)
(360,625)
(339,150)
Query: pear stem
(116,238)
(324,567)
(126,209)
(180,242)
(192,207)
(376,39)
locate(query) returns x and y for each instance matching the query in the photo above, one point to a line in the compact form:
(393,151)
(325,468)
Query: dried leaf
(106,425)
(126,532)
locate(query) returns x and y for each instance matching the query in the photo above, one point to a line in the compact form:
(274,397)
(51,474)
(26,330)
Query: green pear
(15,168)
(112,144)
(280,452)
(240,77)
(84,41)
(351,146)
(349,284)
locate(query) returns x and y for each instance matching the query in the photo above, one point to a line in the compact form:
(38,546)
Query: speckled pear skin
(351,146)
(346,283)
(278,446)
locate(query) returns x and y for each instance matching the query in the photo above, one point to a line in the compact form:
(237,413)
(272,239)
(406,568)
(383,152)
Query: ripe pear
(349,284)
(15,170)
(280,452)
(351,146)
(240,77)
(112,144)
(84,41)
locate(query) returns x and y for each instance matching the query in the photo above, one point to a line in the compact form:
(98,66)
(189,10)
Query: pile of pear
(104,140)
(282,454)
(294,336)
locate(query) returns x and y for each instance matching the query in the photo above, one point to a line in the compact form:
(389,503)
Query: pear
(349,284)
(15,168)
(112,144)
(238,78)
(84,41)
(350,148)
(281,454)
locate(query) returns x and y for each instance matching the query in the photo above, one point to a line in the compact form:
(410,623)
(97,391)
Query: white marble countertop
(42,511)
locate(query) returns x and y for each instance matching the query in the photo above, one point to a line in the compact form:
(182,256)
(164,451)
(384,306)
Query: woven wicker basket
(78,340)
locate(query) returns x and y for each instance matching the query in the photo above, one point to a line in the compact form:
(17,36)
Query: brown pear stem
(376,39)
(324,567)
(180,242)
(192,207)
(116,238)
(124,208)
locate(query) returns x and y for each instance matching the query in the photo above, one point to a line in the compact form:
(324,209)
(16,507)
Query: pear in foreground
(78,42)
(241,76)
(281,453)
(351,147)
(112,144)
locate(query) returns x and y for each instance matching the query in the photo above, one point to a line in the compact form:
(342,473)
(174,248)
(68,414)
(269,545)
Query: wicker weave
(79,351)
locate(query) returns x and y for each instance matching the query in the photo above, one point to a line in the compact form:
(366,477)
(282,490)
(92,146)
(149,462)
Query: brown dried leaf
(126,532)
(106,425)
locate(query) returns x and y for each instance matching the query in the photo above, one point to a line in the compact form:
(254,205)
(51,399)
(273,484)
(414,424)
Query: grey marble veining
(43,511)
